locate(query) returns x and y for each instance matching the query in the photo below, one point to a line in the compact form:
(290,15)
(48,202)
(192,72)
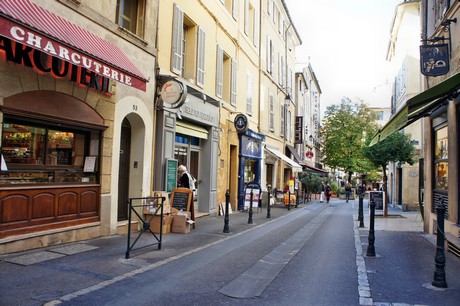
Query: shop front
(188,132)
(57,107)
(281,171)
(438,108)
(250,162)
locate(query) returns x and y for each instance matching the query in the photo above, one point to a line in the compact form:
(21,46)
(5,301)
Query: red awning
(316,169)
(29,24)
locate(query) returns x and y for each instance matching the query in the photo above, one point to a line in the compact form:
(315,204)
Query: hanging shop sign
(298,130)
(173,94)
(434,59)
(241,123)
(309,154)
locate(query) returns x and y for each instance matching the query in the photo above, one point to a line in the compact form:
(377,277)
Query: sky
(346,43)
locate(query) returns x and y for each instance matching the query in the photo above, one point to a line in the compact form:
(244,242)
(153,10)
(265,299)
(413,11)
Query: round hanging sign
(173,93)
(241,123)
(309,154)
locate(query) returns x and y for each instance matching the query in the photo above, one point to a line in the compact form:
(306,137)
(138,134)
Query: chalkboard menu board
(376,197)
(181,198)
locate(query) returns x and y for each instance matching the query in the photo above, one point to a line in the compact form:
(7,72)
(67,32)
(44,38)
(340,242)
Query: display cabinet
(46,176)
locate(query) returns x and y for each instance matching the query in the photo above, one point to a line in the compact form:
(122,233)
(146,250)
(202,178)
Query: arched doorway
(123,173)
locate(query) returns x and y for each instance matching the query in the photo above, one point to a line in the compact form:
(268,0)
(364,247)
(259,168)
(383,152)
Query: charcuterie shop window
(35,152)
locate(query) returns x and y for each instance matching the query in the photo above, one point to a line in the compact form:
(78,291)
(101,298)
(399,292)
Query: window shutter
(177,37)
(246,17)
(280,69)
(271,107)
(269,55)
(272,57)
(256,29)
(220,71)
(249,94)
(235,9)
(234,82)
(282,108)
(201,57)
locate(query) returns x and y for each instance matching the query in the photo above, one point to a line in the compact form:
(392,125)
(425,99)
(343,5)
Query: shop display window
(441,159)
(37,153)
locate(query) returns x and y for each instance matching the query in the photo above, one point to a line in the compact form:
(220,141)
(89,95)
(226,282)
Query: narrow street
(311,255)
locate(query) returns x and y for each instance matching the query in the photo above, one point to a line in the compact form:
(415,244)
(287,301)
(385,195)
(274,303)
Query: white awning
(295,166)
(191,130)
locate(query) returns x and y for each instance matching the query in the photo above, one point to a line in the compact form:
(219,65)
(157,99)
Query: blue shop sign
(255,135)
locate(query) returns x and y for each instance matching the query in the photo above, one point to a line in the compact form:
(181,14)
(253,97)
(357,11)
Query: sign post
(170,175)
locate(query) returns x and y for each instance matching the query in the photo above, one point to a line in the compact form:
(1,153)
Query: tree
(396,148)
(346,127)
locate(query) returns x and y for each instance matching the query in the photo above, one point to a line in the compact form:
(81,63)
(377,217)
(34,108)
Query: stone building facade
(77,81)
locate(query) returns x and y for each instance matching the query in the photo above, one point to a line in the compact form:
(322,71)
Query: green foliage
(334,188)
(311,182)
(346,127)
(396,148)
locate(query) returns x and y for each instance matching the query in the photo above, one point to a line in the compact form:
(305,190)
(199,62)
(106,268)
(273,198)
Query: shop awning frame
(311,168)
(295,154)
(57,37)
(420,106)
(191,130)
(295,166)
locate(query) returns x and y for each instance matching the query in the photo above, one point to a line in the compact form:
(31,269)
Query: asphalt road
(311,255)
(306,258)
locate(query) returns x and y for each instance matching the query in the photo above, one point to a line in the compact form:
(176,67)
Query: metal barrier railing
(155,207)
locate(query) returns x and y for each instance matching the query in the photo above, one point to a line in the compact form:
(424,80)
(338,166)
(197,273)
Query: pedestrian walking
(347,192)
(328,193)
(323,190)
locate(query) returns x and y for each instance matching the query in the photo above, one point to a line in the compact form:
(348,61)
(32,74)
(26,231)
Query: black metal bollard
(360,210)
(370,247)
(297,198)
(250,209)
(439,279)
(289,200)
(268,204)
(227,207)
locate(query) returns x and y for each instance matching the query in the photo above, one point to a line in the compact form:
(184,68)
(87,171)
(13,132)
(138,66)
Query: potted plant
(342,194)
